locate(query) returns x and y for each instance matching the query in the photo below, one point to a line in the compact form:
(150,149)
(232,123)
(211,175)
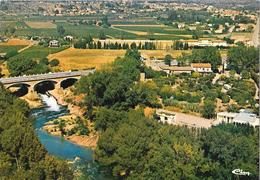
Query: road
(255,37)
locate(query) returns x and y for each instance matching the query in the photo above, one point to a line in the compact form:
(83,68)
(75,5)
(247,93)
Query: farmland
(15,42)
(6,49)
(37,52)
(41,25)
(72,59)
(163,53)
(133,30)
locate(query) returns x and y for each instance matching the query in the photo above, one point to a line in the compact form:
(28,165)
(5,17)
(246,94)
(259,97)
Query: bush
(44,61)
(54,62)
(225,99)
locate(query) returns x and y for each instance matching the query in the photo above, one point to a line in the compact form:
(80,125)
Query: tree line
(90,44)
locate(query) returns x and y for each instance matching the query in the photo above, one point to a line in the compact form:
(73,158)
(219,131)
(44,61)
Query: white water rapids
(50,102)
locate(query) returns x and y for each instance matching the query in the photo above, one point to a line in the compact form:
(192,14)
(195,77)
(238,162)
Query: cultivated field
(6,49)
(41,25)
(163,53)
(37,52)
(73,59)
(16,42)
(244,36)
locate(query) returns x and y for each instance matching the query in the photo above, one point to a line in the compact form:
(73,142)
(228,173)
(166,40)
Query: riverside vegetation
(22,156)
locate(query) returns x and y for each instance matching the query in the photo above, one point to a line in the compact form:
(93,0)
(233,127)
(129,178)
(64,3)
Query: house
(181,25)
(174,62)
(3,39)
(243,117)
(2,56)
(219,31)
(181,119)
(54,43)
(225,117)
(176,69)
(68,38)
(165,116)
(201,67)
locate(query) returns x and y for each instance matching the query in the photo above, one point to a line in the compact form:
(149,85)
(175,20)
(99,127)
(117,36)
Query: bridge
(48,81)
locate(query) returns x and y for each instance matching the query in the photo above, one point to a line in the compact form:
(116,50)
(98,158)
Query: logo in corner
(240,172)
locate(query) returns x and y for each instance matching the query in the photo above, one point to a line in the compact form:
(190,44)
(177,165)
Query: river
(81,157)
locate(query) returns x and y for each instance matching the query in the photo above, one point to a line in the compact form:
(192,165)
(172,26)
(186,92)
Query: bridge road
(47,76)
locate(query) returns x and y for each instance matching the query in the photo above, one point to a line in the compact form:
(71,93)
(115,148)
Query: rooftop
(176,68)
(200,65)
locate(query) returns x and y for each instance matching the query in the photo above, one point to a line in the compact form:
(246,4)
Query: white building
(225,117)
(68,38)
(201,67)
(165,116)
(54,43)
(243,117)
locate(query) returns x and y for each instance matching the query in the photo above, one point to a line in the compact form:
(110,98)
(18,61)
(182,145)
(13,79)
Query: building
(174,62)
(181,119)
(165,116)
(243,117)
(68,38)
(201,67)
(176,69)
(54,43)
(225,117)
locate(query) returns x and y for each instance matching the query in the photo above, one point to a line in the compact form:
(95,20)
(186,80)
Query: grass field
(6,49)
(37,52)
(41,25)
(72,59)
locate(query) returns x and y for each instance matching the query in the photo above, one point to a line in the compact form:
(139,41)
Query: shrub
(54,62)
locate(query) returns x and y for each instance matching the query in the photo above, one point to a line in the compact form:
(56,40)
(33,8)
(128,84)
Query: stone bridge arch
(44,86)
(68,82)
(19,89)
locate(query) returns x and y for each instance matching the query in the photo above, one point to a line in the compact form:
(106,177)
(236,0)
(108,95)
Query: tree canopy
(22,156)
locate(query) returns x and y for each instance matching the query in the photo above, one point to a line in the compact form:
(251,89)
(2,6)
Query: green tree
(60,30)
(167,59)
(208,109)
(54,62)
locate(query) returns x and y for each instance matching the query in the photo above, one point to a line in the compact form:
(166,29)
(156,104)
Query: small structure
(2,55)
(54,43)
(201,67)
(3,39)
(165,116)
(243,117)
(176,70)
(174,62)
(68,38)
(142,77)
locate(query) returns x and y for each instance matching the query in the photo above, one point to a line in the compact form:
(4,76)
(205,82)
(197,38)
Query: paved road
(39,77)
(255,37)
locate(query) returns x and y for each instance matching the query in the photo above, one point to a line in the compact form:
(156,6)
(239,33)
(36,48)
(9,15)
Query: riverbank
(33,100)
(67,98)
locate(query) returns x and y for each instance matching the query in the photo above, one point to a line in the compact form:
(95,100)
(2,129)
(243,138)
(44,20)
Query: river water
(61,148)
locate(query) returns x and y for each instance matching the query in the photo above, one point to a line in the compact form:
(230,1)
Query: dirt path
(27,47)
